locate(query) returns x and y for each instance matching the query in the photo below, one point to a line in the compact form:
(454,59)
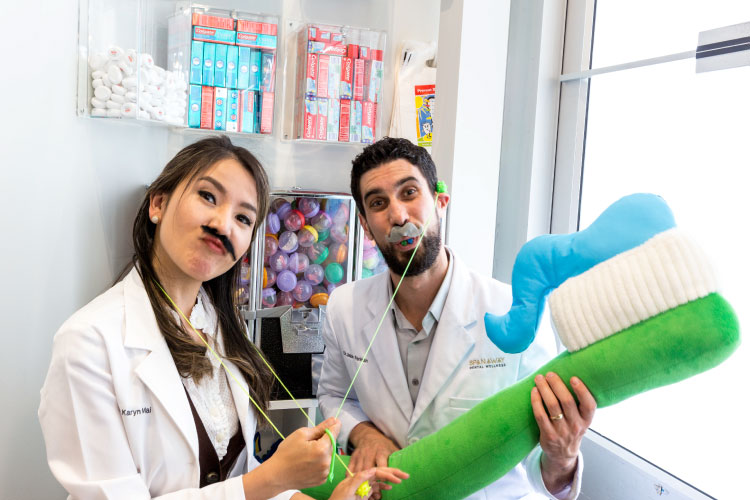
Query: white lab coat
(116,420)
(449,388)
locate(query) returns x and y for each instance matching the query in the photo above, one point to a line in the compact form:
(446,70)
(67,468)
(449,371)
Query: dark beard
(426,255)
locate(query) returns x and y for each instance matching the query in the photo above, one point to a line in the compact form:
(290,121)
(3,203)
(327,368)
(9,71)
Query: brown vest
(213,470)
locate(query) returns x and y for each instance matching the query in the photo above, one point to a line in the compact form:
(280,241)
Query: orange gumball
(265,278)
(319,299)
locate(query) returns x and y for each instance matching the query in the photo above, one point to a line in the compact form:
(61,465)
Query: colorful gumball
(288,242)
(322,221)
(269,275)
(298,262)
(277,203)
(314,274)
(308,206)
(283,209)
(368,243)
(334,272)
(370,258)
(268,297)
(366,273)
(341,216)
(294,220)
(340,234)
(273,223)
(307,236)
(324,234)
(331,287)
(319,296)
(278,261)
(271,245)
(338,252)
(318,252)
(284,299)
(302,291)
(286,280)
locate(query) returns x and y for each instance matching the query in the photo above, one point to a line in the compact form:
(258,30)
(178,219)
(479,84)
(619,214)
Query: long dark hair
(190,356)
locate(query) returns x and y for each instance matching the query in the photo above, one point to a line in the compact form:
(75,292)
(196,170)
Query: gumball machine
(307,249)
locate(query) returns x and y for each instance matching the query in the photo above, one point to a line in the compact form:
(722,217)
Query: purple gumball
(271,245)
(268,297)
(341,216)
(331,287)
(273,223)
(308,206)
(302,291)
(286,280)
(278,262)
(338,233)
(322,221)
(282,208)
(284,299)
(370,258)
(270,276)
(298,262)
(294,220)
(314,274)
(288,242)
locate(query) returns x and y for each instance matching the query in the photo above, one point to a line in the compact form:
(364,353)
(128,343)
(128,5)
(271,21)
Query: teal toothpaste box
(220,66)
(194,107)
(216,35)
(255,70)
(209,53)
(232,66)
(243,71)
(196,63)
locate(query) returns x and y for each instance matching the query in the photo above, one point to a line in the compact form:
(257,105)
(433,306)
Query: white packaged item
(115,74)
(117,98)
(113,104)
(129,110)
(97,75)
(130,82)
(102,92)
(146,60)
(131,96)
(115,53)
(106,81)
(97,83)
(114,113)
(98,103)
(119,90)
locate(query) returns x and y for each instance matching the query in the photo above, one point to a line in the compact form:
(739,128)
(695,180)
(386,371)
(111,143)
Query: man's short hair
(387,150)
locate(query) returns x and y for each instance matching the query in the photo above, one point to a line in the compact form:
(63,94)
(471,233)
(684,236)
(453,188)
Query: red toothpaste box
(347,77)
(358,89)
(224,23)
(309,130)
(322,132)
(249,26)
(266,113)
(344,117)
(323,62)
(352,50)
(207,107)
(311,78)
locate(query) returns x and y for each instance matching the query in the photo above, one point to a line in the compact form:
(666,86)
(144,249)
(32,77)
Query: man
(431,360)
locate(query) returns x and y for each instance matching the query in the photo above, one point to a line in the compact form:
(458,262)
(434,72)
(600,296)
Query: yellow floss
(364,489)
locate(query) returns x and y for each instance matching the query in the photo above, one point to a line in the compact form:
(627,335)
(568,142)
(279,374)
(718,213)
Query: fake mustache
(408,230)
(224,240)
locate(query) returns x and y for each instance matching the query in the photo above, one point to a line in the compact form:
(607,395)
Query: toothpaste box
(266,116)
(209,53)
(225,23)
(194,107)
(334,110)
(326,48)
(324,36)
(196,63)
(249,26)
(233,110)
(220,66)
(337,38)
(355,122)
(254,70)
(268,67)
(207,107)
(256,40)
(369,113)
(344,120)
(312,32)
(215,35)
(311,75)
(352,50)
(358,88)
(347,74)
(322,132)
(364,52)
(247,114)
(243,73)
(268,29)
(323,62)
(232,66)
(220,108)
(310,118)
(334,77)
(373,80)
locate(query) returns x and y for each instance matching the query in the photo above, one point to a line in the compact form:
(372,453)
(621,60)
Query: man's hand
(372,447)
(561,426)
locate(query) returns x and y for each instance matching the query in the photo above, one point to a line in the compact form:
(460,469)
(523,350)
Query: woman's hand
(347,489)
(303,459)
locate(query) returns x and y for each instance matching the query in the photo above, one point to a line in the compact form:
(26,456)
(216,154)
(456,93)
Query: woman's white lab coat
(115,417)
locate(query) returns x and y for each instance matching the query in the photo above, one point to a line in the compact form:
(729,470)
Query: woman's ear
(157,205)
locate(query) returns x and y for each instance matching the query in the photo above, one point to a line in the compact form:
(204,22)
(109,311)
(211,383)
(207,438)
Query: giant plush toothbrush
(637,309)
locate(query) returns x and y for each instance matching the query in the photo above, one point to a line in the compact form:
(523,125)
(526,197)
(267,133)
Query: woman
(134,404)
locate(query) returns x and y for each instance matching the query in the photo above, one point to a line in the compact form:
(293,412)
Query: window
(638,118)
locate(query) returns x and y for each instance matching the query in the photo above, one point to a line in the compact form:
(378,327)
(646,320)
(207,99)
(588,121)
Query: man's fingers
(540,414)
(390,474)
(587,403)
(563,395)
(549,398)
(381,459)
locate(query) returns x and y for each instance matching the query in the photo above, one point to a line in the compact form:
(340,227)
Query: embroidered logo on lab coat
(482,363)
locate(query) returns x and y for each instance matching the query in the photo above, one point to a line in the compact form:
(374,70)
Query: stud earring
(155,219)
